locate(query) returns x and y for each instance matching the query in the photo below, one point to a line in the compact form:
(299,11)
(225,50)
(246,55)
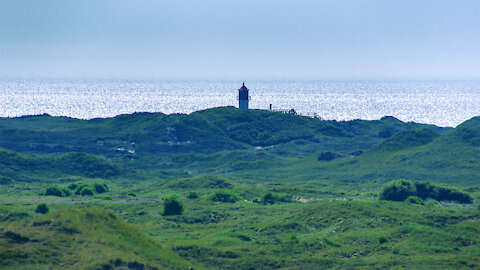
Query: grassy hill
(28,168)
(251,145)
(71,238)
(208,131)
(329,173)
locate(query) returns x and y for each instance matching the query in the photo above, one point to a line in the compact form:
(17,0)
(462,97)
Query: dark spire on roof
(243,88)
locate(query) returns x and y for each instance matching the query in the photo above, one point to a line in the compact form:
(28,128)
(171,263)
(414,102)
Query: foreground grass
(339,224)
(86,238)
(338,234)
(334,234)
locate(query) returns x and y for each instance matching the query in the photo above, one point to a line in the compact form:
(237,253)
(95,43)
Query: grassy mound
(86,165)
(407,139)
(23,167)
(90,238)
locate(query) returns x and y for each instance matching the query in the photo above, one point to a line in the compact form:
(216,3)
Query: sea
(438,102)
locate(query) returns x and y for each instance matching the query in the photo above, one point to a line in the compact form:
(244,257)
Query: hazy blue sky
(240,39)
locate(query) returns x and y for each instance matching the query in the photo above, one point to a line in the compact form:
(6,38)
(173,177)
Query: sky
(212,39)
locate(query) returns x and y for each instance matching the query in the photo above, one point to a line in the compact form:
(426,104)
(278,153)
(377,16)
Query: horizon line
(247,78)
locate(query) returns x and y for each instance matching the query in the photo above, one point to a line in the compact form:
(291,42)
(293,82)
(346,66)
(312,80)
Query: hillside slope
(23,167)
(91,238)
(207,131)
(251,144)
(422,154)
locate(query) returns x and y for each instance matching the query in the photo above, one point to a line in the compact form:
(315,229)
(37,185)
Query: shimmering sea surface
(443,103)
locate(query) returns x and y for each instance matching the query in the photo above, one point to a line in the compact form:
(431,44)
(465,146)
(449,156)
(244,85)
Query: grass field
(330,173)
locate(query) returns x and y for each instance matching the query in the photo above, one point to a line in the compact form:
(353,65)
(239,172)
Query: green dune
(332,173)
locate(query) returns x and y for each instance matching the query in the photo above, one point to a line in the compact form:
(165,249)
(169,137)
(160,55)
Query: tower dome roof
(243,88)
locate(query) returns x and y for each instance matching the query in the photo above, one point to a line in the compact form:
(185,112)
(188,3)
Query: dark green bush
(450,194)
(79,189)
(100,188)
(172,206)
(400,190)
(414,200)
(73,186)
(193,195)
(328,156)
(15,237)
(57,191)
(85,190)
(356,153)
(271,198)
(222,195)
(88,191)
(42,209)
(382,240)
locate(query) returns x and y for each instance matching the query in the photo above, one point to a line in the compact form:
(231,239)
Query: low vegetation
(272,198)
(76,189)
(42,209)
(172,206)
(58,191)
(256,190)
(401,190)
(85,238)
(192,195)
(222,195)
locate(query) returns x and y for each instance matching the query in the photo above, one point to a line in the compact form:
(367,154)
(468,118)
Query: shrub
(193,195)
(100,188)
(73,186)
(400,190)
(424,189)
(222,195)
(42,209)
(88,191)
(57,191)
(172,206)
(271,198)
(356,153)
(328,156)
(382,240)
(79,188)
(15,237)
(414,200)
(450,194)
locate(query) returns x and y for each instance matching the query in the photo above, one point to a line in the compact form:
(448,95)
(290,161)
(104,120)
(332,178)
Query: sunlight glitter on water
(444,103)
